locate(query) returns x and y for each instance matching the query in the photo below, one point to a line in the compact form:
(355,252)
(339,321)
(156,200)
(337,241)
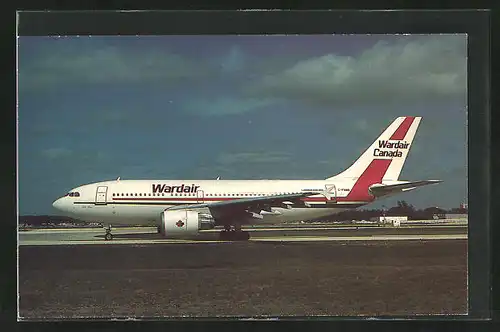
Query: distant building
(394,220)
(456,216)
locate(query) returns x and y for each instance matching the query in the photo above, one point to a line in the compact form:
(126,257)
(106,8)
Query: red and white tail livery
(183,208)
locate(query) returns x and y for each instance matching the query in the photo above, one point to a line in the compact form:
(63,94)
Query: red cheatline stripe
(400,133)
(180,198)
(215,199)
(372,174)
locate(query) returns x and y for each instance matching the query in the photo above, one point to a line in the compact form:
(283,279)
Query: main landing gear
(108,236)
(235,234)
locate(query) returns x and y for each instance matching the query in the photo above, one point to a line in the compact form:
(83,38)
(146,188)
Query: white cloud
(105,65)
(56,153)
(226,105)
(232,62)
(253,157)
(430,67)
(82,157)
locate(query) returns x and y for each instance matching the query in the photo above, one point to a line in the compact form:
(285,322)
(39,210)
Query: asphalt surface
(256,278)
(147,235)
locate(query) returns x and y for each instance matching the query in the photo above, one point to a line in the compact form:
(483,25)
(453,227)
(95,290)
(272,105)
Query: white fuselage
(141,202)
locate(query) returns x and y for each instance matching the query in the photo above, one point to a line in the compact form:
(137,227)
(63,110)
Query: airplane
(183,208)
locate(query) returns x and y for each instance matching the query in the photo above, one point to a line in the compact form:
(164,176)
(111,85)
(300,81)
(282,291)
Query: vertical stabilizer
(384,159)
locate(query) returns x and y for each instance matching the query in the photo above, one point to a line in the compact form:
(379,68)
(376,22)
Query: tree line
(402,208)
(48,219)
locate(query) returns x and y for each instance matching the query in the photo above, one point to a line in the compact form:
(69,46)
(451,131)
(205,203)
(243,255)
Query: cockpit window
(73,194)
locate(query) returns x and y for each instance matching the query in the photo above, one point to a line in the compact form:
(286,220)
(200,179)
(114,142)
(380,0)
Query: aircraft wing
(379,190)
(249,207)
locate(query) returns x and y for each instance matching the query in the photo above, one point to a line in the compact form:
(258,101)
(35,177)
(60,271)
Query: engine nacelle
(182,223)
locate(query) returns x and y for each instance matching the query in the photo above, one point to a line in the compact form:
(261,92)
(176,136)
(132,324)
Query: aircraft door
(200,196)
(100,197)
(332,189)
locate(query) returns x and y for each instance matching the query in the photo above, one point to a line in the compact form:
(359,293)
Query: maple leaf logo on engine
(180,223)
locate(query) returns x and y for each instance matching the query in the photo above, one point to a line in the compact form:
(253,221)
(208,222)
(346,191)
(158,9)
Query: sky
(240,107)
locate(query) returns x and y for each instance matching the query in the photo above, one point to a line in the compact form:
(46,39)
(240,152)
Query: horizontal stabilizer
(379,190)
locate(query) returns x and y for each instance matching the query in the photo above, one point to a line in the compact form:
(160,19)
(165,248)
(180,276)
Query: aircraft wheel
(108,237)
(234,236)
(242,236)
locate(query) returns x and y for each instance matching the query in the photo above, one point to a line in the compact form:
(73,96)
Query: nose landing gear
(108,236)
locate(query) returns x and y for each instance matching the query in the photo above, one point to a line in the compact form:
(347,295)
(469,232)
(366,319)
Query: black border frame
(475,23)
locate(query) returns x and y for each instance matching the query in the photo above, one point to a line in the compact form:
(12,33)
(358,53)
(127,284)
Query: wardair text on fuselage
(163,188)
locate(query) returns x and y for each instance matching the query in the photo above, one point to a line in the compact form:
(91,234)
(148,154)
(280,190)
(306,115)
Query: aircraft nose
(57,204)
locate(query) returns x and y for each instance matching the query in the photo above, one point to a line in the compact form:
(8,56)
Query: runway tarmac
(148,235)
(243,279)
(327,272)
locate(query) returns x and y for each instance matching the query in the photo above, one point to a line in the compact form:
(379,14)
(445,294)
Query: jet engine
(183,223)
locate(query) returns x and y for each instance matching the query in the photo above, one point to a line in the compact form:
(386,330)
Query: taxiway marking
(263,239)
